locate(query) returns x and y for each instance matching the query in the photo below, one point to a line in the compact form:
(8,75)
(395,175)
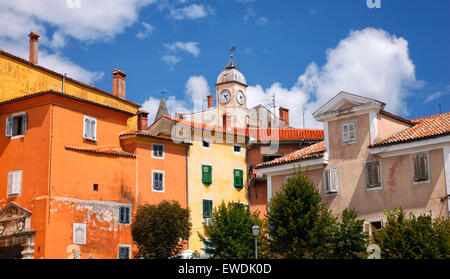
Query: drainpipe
(187,187)
(63,82)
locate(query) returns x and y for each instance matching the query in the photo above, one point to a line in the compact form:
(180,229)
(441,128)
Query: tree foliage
(301,226)
(415,238)
(159,230)
(230,234)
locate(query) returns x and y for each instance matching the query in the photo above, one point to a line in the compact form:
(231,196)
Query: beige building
(373,160)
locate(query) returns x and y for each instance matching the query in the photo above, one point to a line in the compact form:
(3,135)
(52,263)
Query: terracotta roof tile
(310,152)
(108,150)
(146,134)
(424,128)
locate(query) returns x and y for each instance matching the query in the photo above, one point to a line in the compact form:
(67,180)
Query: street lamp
(255,230)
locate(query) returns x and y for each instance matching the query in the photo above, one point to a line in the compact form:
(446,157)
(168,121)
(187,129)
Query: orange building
(74,164)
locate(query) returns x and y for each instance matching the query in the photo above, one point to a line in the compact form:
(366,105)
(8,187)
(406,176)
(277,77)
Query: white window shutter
(351,131)
(9,126)
(18,182)
(93,128)
(345,132)
(86,128)
(333,181)
(24,124)
(10,182)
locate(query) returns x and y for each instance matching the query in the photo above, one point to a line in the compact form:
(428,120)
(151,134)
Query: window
(124,215)
(90,128)
(96,187)
(157,151)
(158,181)
(373,175)
(373,224)
(206,144)
(14,183)
(238,178)
(237,148)
(349,132)
(331,181)
(207,208)
(420,167)
(124,252)
(16,125)
(206,174)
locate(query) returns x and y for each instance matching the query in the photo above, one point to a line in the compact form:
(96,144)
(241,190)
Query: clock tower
(231,96)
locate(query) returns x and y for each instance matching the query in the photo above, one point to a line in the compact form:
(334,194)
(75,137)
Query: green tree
(160,230)
(349,240)
(415,238)
(299,225)
(230,234)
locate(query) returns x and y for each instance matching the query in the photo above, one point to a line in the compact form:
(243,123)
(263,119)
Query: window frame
(349,141)
(84,128)
(380,175)
(126,246)
(206,141)
(12,126)
(163,150)
(10,184)
(163,181)
(411,160)
(129,214)
(240,148)
(210,208)
(325,183)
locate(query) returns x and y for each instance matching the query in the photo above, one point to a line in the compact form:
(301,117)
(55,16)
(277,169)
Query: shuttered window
(158,181)
(349,132)
(124,252)
(420,167)
(206,174)
(238,178)
(90,128)
(331,180)
(207,208)
(14,183)
(124,215)
(16,125)
(158,150)
(373,175)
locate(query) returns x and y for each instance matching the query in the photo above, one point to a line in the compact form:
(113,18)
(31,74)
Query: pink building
(373,160)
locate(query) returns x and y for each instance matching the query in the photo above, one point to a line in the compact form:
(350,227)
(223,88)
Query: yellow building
(217,168)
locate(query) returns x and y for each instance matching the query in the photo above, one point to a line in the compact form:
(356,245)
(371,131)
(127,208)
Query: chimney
(142,120)
(284,115)
(226,121)
(119,79)
(210,101)
(34,37)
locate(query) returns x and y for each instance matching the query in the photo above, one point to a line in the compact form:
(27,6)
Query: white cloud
(146,31)
(369,62)
(432,97)
(171,56)
(193,11)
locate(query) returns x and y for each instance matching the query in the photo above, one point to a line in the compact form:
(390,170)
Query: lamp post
(255,230)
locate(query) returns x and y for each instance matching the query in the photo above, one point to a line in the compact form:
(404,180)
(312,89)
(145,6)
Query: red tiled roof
(108,150)
(284,134)
(66,77)
(310,152)
(24,97)
(146,134)
(424,128)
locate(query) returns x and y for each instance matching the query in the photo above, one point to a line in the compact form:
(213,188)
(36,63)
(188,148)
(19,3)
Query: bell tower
(231,95)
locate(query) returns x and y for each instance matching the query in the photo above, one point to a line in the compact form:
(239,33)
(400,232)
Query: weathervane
(232,65)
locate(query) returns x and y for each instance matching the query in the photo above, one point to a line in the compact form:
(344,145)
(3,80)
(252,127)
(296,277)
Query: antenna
(163,93)
(440,111)
(303,120)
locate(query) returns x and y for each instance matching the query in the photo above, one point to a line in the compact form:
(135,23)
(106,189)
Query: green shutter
(238,178)
(206,174)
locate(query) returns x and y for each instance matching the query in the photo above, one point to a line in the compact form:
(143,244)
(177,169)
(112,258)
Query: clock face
(225,96)
(240,97)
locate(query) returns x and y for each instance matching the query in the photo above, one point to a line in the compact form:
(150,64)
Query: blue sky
(303,51)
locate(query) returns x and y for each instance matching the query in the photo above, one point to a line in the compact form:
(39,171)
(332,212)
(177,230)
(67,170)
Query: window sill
(374,188)
(17,137)
(158,191)
(90,140)
(421,182)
